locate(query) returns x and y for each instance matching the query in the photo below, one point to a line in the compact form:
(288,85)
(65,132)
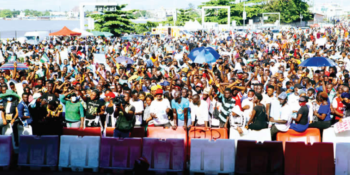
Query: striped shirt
(227,106)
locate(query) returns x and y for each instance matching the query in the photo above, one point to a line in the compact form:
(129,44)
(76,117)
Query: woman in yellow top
(54,118)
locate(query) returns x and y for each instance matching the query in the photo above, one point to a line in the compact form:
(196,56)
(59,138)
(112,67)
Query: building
(330,10)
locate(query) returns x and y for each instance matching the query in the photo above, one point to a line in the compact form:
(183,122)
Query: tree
(6,13)
(290,10)
(141,28)
(116,22)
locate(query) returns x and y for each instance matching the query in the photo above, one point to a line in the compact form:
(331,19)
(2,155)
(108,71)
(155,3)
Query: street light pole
(301,18)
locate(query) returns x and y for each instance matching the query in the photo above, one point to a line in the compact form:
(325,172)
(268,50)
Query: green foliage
(6,13)
(117,22)
(141,14)
(290,10)
(183,16)
(141,28)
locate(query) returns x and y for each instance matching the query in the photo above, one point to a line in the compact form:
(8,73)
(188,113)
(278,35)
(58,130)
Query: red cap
(75,82)
(110,94)
(159,91)
(198,84)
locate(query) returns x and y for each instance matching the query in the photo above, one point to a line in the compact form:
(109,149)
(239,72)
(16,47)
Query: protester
(256,82)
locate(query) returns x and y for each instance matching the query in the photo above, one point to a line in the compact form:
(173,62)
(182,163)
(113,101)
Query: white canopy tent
(192,26)
(83,32)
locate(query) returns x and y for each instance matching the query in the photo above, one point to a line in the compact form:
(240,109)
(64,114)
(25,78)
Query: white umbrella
(83,32)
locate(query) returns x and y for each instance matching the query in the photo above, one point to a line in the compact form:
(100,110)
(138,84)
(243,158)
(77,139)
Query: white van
(36,37)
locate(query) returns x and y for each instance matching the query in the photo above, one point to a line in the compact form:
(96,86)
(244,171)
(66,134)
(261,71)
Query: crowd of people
(256,82)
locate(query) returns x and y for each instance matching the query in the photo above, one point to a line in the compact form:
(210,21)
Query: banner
(342,126)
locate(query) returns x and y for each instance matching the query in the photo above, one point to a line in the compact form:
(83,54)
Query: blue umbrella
(123,59)
(317,62)
(203,55)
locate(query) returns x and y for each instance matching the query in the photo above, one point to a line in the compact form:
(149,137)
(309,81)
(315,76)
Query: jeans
(123,134)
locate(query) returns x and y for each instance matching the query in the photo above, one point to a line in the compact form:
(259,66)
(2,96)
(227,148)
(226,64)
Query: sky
(67,5)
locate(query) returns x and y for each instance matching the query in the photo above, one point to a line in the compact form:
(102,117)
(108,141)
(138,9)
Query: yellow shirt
(153,59)
(54,113)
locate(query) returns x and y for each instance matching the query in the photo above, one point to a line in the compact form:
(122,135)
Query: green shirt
(74,111)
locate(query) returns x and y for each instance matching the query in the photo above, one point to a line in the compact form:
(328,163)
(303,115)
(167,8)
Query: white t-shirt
(247,113)
(266,99)
(285,114)
(159,108)
(138,108)
(200,112)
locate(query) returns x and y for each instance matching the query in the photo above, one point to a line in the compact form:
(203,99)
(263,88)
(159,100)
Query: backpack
(125,124)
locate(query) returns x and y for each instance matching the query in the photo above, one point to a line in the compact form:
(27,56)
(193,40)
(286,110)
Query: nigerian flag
(12,58)
(44,58)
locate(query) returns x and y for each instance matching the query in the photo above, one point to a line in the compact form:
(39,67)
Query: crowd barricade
(7,130)
(202,133)
(79,153)
(311,135)
(118,153)
(164,155)
(167,133)
(329,135)
(315,159)
(259,158)
(37,152)
(253,135)
(212,156)
(138,131)
(342,161)
(88,131)
(6,151)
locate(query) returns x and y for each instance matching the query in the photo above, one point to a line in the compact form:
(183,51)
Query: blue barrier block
(36,151)
(6,151)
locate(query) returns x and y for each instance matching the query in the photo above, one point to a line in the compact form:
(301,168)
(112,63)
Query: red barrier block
(164,155)
(138,131)
(162,133)
(6,151)
(311,135)
(202,133)
(118,153)
(36,151)
(316,159)
(259,158)
(89,131)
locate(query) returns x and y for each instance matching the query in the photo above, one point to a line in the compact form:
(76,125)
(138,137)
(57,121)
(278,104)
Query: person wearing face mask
(74,110)
(302,118)
(10,103)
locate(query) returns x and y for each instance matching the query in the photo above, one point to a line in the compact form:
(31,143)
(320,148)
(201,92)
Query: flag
(44,58)
(12,58)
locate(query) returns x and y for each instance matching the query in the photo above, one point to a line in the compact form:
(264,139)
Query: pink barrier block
(118,153)
(164,155)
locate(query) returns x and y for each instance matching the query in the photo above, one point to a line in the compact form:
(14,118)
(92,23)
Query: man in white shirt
(247,105)
(282,115)
(138,104)
(199,111)
(159,110)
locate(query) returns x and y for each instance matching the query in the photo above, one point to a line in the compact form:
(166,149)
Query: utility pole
(244,15)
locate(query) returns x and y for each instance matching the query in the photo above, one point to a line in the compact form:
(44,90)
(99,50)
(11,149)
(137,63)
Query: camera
(120,100)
